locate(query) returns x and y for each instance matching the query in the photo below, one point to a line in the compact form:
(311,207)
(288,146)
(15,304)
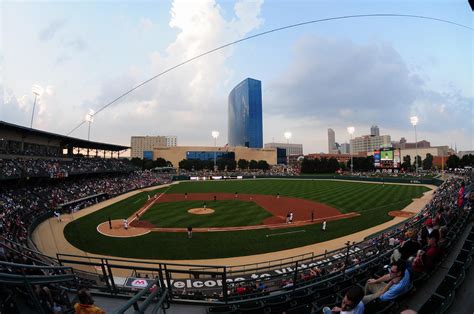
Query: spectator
(351,303)
(390,286)
(86,304)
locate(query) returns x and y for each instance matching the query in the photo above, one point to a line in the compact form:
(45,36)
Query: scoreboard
(387,158)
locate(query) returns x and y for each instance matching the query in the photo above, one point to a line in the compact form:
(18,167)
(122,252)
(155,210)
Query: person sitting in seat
(390,286)
(86,304)
(351,304)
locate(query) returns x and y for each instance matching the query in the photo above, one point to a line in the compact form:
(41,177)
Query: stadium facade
(178,153)
(142,146)
(245,114)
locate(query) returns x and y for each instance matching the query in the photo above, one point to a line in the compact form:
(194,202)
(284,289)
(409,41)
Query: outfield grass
(372,201)
(226,214)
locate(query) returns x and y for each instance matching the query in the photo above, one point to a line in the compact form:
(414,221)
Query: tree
(453,161)
(467,160)
(307,166)
(428,162)
(417,162)
(136,162)
(263,165)
(406,164)
(160,162)
(253,164)
(148,164)
(333,165)
(185,164)
(231,164)
(243,164)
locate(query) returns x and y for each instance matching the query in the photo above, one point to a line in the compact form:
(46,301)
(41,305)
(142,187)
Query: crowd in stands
(21,205)
(58,168)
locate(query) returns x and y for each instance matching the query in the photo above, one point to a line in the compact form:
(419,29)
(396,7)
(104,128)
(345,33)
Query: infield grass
(372,201)
(226,214)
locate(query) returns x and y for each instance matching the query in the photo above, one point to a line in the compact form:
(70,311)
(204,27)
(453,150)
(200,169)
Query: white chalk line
(281,233)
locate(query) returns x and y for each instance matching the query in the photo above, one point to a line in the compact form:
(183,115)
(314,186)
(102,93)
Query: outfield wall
(433,181)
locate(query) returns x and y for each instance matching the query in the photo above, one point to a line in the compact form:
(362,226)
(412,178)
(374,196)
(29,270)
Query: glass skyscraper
(245,114)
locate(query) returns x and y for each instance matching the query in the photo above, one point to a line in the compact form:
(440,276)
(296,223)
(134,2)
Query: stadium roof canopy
(65,141)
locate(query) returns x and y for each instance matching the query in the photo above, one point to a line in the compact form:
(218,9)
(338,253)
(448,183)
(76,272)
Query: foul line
(140,212)
(276,234)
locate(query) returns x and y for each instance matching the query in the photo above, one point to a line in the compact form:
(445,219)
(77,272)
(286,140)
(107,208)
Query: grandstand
(38,179)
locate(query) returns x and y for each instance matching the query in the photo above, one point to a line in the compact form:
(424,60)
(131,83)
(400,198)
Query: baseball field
(259,207)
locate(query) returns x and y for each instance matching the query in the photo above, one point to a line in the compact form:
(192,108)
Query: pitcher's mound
(201,211)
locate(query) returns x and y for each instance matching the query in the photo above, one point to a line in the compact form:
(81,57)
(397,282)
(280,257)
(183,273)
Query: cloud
(52,29)
(344,83)
(189,101)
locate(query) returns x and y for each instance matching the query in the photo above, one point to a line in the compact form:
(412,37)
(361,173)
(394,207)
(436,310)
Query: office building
(368,143)
(374,130)
(245,115)
(141,144)
(331,141)
(345,148)
(291,149)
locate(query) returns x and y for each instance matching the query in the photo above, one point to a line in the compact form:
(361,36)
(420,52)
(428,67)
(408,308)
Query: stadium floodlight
(37,91)
(287,135)
(89,118)
(414,121)
(215,135)
(351,131)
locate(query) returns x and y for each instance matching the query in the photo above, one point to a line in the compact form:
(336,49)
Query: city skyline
(354,72)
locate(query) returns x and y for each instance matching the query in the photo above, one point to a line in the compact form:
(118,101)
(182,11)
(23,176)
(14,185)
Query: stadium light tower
(89,118)
(351,131)
(414,122)
(287,135)
(215,135)
(37,91)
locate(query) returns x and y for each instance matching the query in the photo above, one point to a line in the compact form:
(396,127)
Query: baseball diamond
(242,223)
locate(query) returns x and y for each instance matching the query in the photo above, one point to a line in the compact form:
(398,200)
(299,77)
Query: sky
(352,72)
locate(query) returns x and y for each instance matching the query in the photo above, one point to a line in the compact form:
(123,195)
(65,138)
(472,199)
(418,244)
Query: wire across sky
(385,15)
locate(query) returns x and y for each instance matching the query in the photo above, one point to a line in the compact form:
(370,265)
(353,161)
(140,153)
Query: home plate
(282,233)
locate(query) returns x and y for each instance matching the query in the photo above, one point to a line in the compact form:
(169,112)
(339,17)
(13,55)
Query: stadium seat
(300,309)
(437,304)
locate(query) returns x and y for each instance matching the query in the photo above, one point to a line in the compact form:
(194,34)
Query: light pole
(351,131)
(414,122)
(89,118)
(37,91)
(287,135)
(215,135)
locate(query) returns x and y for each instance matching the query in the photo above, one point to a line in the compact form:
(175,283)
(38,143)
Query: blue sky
(335,74)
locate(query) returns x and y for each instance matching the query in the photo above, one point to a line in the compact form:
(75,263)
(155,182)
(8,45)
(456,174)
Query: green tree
(406,164)
(417,162)
(428,162)
(307,166)
(333,165)
(160,162)
(243,164)
(453,161)
(263,165)
(231,164)
(467,160)
(185,164)
(253,164)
